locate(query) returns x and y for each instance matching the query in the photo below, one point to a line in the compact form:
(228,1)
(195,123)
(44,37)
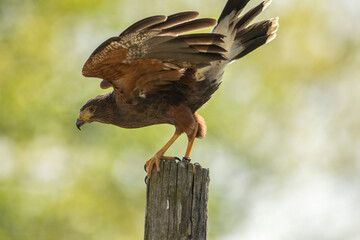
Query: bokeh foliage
(291,105)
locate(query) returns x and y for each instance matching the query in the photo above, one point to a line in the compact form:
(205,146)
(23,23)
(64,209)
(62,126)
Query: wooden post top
(176,202)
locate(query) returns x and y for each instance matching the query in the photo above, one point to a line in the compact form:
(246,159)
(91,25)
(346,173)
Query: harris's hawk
(160,74)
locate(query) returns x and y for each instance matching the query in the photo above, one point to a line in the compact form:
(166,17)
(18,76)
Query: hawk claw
(187,160)
(145,167)
(155,161)
(150,163)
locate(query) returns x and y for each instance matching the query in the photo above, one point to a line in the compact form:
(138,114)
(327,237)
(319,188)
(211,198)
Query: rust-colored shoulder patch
(101,63)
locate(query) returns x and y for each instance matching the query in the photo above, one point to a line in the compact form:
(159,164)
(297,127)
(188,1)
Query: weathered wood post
(176,202)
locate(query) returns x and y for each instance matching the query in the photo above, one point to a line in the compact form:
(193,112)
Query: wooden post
(176,202)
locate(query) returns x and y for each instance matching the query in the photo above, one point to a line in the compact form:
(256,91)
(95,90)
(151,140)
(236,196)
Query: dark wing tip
(194,25)
(232,5)
(176,19)
(188,15)
(144,23)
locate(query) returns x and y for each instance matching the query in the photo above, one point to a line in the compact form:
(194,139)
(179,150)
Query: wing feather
(149,55)
(176,19)
(203,38)
(194,25)
(144,23)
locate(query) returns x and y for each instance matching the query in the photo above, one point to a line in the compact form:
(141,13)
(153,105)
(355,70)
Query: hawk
(160,74)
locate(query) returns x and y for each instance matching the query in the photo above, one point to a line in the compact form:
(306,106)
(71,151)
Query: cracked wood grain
(176,202)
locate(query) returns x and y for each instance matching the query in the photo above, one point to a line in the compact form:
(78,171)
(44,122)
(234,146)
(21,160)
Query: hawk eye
(92,109)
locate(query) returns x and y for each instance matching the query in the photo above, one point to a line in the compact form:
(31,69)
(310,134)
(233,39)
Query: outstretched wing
(150,54)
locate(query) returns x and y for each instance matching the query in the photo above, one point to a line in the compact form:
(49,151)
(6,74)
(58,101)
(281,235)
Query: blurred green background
(283,143)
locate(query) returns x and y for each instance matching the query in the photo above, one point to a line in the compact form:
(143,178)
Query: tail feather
(251,14)
(252,37)
(233,7)
(252,45)
(253,31)
(241,39)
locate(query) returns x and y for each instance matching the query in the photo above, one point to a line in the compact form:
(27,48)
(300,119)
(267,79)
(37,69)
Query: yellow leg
(190,144)
(159,155)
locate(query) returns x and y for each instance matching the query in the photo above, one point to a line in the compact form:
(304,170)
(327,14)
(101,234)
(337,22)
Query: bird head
(86,115)
(93,110)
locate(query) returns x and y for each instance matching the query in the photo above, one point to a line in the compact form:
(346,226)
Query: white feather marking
(266,4)
(212,72)
(216,69)
(142,94)
(171,66)
(270,38)
(235,49)
(274,25)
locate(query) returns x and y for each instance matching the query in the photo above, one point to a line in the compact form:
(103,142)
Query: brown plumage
(160,76)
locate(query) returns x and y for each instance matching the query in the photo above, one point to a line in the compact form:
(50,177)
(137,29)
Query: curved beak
(79,123)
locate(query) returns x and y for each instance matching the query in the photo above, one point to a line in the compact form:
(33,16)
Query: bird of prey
(160,74)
